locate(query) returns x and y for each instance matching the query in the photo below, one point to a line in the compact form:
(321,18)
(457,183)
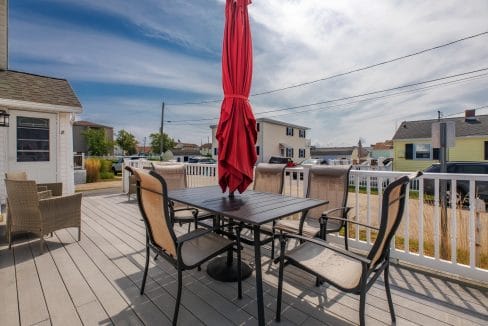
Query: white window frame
(422,158)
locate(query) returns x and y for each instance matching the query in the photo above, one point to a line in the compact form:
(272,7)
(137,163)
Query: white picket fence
(419,237)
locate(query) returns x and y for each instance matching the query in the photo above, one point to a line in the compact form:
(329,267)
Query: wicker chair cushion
(197,250)
(339,269)
(311,226)
(16,175)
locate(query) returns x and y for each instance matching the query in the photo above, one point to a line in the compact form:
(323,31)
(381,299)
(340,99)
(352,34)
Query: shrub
(105,166)
(92,167)
(106,175)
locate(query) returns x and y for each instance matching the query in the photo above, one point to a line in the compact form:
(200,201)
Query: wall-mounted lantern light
(4,118)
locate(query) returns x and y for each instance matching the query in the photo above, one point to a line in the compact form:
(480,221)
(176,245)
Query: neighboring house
(79,141)
(183,151)
(206,149)
(143,149)
(382,150)
(331,154)
(412,142)
(39,138)
(276,138)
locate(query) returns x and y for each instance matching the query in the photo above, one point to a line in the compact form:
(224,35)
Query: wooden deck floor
(96,281)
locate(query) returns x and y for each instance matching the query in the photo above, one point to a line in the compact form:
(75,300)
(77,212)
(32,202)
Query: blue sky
(124,57)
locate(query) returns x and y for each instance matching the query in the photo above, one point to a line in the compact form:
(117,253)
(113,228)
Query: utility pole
(444,247)
(161,130)
(144,147)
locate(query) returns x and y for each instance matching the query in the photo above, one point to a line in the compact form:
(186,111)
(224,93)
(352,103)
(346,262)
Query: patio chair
(56,188)
(28,211)
(348,271)
(175,178)
(329,183)
(185,252)
(132,183)
(269,178)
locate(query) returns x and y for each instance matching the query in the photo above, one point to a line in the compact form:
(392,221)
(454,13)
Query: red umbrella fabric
(236,132)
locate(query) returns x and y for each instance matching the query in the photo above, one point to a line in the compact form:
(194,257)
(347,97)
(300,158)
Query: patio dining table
(251,208)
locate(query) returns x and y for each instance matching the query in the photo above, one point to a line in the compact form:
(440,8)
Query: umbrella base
(220,270)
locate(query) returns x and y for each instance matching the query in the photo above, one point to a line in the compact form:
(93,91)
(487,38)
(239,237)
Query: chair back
(174,175)
(269,177)
(392,208)
(152,196)
(328,183)
(16,175)
(23,203)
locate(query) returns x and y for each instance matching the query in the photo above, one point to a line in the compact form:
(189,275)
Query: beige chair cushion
(198,249)
(311,227)
(332,266)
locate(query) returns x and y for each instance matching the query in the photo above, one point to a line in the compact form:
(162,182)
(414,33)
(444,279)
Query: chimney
(3,34)
(469,115)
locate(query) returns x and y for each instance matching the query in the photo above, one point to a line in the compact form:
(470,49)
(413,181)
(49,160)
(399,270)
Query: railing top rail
(426,175)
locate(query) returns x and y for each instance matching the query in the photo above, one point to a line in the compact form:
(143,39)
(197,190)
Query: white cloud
(294,41)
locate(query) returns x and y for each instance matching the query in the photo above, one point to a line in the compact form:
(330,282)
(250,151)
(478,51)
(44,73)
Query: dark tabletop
(250,207)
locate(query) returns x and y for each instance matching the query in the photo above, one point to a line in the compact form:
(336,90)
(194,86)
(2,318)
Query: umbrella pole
(231,194)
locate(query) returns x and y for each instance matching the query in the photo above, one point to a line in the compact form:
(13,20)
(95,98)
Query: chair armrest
(55,187)
(327,212)
(58,206)
(324,244)
(184,209)
(192,235)
(353,222)
(44,194)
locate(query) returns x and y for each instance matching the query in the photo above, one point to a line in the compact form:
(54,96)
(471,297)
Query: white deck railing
(459,249)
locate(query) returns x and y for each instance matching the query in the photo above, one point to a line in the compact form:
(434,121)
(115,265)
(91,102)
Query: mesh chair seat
(311,226)
(199,249)
(336,268)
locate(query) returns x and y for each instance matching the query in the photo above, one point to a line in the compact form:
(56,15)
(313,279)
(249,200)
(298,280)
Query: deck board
(97,281)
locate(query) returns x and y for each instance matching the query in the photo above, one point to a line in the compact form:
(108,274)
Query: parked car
(312,161)
(462,186)
(117,165)
(278,160)
(202,160)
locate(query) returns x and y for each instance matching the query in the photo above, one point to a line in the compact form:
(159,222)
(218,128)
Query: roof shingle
(23,86)
(423,128)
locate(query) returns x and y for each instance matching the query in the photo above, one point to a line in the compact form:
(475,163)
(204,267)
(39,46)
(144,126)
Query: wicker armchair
(30,211)
(55,187)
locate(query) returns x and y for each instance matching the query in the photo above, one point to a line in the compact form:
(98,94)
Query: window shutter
(435,153)
(486,150)
(409,151)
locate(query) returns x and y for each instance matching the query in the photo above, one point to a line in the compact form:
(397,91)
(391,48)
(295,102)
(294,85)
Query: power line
(350,97)
(358,101)
(347,72)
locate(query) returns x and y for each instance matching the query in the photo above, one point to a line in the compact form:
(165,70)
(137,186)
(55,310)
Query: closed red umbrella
(236,132)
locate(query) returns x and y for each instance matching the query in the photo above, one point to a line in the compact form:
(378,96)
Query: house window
(419,152)
(257,126)
(422,152)
(289,152)
(301,133)
(301,152)
(289,131)
(257,150)
(32,139)
(215,151)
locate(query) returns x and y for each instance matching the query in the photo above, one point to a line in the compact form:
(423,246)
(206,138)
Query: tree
(168,143)
(127,142)
(97,142)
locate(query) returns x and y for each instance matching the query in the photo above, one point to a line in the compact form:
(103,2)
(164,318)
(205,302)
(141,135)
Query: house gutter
(41,107)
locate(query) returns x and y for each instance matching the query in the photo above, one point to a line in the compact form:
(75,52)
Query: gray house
(79,127)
